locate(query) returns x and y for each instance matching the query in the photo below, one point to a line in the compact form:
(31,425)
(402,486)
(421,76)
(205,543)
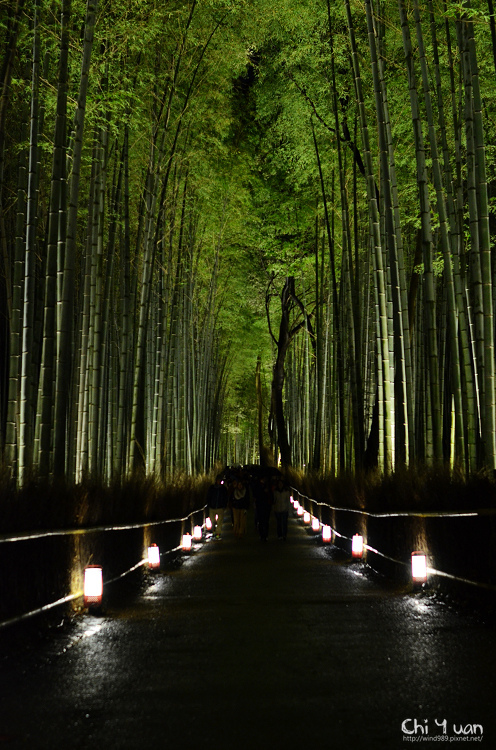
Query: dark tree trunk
(258,387)
(289,301)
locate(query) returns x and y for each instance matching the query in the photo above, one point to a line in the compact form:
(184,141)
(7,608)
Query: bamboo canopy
(246,232)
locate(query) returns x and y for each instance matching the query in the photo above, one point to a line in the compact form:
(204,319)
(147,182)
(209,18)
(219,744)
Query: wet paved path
(256,646)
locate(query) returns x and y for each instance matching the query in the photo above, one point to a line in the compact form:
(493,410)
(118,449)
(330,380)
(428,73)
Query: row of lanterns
(93,574)
(418,559)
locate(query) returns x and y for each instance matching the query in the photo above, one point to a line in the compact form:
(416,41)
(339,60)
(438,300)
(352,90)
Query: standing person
(263,504)
(240,506)
(217,502)
(281,508)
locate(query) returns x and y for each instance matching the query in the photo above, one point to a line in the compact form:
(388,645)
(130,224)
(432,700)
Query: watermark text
(440,730)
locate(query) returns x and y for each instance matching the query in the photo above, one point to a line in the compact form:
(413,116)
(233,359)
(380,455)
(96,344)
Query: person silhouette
(281,508)
(217,502)
(263,504)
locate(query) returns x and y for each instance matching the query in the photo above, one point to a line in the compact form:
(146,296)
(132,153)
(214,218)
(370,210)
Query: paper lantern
(300,511)
(306,517)
(186,542)
(419,567)
(153,557)
(93,586)
(326,534)
(357,546)
(208,523)
(315,524)
(197,533)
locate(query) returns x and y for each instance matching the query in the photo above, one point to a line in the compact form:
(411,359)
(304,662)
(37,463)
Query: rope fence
(29,536)
(403,514)
(409,514)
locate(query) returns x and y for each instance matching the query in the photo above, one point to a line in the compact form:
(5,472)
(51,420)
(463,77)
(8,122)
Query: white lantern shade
(197,533)
(292,500)
(300,511)
(153,556)
(208,523)
(306,517)
(186,542)
(315,524)
(357,546)
(326,533)
(419,567)
(93,585)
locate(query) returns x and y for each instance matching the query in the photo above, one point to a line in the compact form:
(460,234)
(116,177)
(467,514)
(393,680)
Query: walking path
(253,646)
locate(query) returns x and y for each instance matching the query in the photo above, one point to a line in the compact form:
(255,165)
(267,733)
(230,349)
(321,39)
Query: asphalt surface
(251,645)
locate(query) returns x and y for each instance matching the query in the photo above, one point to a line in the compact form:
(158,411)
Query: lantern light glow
(208,523)
(153,557)
(326,533)
(315,524)
(197,533)
(357,546)
(419,567)
(186,542)
(306,517)
(300,511)
(93,586)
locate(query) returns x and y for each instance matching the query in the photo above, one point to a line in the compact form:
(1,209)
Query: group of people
(236,491)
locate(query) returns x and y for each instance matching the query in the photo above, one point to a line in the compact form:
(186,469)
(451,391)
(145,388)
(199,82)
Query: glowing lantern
(153,557)
(306,517)
(292,500)
(186,542)
(357,546)
(93,586)
(419,567)
(326,534)
(315,524)
(208,523)
(197,533)
(300,511)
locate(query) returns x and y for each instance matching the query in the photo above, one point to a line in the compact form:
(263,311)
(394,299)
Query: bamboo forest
(241,231)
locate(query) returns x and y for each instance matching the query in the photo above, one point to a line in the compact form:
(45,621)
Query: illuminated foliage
(162,183)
